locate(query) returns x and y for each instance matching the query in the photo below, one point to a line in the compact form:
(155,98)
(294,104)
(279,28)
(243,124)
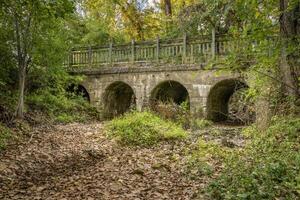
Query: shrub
(62,108)
(269,168)
(5,134)
(143,128)
(179,114)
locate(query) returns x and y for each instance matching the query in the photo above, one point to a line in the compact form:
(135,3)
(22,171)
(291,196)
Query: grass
(143,129)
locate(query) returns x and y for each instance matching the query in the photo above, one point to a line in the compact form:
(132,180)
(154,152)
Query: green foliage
(143,128)
(119,20)
(169,110)
(201,16)
(269,167)
(212,150)
(5,134)
(67,118)
(197,167)
(185,105)
(62,108)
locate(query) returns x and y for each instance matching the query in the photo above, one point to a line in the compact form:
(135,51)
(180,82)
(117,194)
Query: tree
(122,19)
(29,21)
(289,33)
(203,16)
(167,7)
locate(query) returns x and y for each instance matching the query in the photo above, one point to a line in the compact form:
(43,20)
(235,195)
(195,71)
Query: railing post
(70,60)
(184,49)
(157,49)
(110,53)
(213,43)
(132,51)
(90,56)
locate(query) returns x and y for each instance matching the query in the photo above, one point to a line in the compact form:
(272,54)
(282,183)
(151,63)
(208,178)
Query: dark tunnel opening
(170,92)
(79,90)
(225,103)
(118,98)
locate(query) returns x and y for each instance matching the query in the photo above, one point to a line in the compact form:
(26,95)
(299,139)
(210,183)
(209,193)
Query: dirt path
(77,161)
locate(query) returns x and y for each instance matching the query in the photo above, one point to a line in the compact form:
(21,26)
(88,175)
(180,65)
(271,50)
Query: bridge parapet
(185,50)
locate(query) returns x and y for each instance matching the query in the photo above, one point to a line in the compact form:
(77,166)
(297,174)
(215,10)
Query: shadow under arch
(218,99)
(118,98)
(169,91)
(79,90)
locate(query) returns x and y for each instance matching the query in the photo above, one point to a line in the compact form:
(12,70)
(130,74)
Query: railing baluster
(213,43)
(157,49)
(110,53)
(90,57)
(184,48)
(132,51)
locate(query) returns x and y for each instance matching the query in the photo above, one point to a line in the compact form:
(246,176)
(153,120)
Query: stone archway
(170,91)
(219,97)
(118,98)
(79,90)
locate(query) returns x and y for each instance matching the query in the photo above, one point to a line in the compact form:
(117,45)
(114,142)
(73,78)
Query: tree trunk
(289,26)
(22,78)
(168,7)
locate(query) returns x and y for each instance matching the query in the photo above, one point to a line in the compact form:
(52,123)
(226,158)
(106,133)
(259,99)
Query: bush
(143,128)
(269,167)
(62,108)
(179,114)
(5,134)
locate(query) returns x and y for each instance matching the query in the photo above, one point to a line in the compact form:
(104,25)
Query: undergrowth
(5,134)
(61,107)
(197,124)
(205,159)
(268,168)
(144,129)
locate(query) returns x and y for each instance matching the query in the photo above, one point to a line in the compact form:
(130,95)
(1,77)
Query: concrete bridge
(121,77)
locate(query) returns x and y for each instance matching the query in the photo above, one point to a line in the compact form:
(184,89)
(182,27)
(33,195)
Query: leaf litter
(77,161)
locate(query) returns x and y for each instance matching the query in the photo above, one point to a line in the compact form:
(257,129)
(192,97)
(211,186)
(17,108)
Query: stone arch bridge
(120,77)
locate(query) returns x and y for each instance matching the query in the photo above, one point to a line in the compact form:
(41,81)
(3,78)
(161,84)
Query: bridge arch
(79,90)
(169,91)
(118,98)
(217,106)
